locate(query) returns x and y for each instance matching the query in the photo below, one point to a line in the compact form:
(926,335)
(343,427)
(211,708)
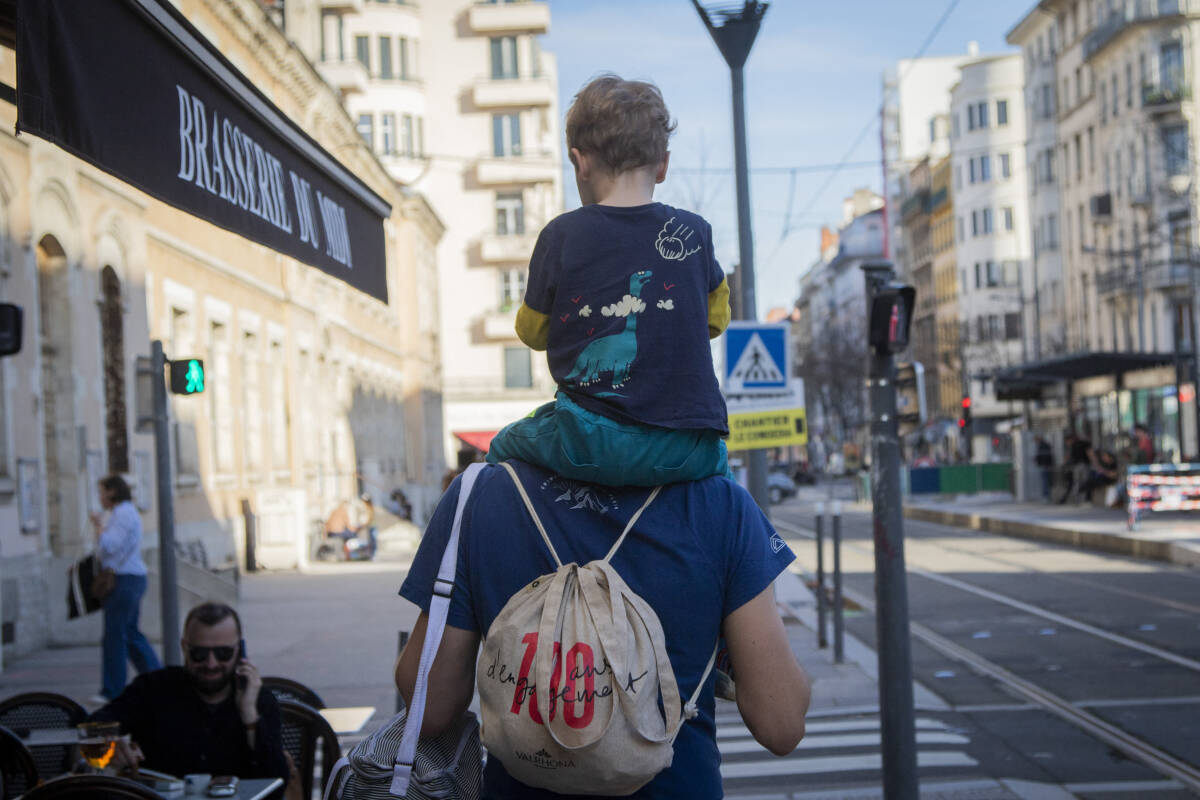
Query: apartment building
(322,368)
(916,222)
(945,388)
(987,117)
(460,103)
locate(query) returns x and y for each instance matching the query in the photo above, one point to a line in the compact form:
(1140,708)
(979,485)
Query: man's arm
(267,758)
(451,678)
(773,691)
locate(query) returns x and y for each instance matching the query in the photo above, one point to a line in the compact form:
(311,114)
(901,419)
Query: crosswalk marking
(856,763)
(734,729)
(841,740)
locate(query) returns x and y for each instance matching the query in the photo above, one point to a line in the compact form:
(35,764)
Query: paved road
(1114,638)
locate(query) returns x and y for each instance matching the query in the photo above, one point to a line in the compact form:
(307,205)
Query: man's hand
(128,756)
(97,522)
(247,698)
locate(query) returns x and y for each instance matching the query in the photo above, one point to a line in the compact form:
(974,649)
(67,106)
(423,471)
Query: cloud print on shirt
(628,305)
(586,311)
(666,305)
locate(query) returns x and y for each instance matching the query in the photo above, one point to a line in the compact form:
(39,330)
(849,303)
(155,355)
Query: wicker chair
(307,737)
(18,773)
(91,787)
(34,710)
(288,689)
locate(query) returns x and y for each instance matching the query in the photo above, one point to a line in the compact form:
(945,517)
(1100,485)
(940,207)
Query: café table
(247,789)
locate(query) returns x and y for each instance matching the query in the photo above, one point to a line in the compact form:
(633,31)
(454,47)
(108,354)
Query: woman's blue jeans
(122,639)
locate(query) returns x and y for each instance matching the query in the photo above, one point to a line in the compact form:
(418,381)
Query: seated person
(208,716)
(1103,473)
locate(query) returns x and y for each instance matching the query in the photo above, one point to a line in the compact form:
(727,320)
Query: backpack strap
(439,608)
(512,473)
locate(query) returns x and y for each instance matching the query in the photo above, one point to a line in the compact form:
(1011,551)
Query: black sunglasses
(200,654)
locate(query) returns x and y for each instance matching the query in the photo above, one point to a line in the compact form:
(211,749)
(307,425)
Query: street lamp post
(734,30)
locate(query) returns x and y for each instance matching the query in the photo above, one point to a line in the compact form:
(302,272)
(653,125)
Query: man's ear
(660,174)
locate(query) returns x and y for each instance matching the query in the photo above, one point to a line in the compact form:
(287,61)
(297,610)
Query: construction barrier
(960,479)
(1161,487)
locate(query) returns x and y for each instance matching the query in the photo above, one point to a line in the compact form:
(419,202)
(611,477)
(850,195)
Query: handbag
(103,584)
(394,761)
(81,600)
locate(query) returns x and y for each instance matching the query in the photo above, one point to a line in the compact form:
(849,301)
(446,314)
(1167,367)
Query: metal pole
(168,580)
(838,628)
(757,473)
(822,639)
(891,592)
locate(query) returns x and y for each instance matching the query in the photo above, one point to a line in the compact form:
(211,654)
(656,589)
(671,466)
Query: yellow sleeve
(533,327)
(718,310)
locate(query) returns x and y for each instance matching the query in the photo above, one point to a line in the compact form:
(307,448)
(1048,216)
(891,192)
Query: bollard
(822,641)
(838,630)
(400,649)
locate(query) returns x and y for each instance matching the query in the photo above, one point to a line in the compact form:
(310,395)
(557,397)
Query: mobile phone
(223,786)
(241,679)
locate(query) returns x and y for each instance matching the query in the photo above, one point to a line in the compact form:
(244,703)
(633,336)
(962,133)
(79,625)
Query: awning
(480,440)
(133,88)
(1026,381)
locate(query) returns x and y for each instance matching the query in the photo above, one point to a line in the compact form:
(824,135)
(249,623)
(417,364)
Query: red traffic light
(966,402)
(962,423)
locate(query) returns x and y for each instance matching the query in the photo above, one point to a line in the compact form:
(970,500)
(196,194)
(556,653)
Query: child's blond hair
(624,124)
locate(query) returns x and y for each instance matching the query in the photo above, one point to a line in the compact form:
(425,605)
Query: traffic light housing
(891,317)
(10,329)
(965,419)
(187,376)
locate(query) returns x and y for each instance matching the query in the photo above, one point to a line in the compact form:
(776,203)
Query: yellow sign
(758,429)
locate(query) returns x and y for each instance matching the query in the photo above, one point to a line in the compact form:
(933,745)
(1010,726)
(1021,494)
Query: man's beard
(208,684)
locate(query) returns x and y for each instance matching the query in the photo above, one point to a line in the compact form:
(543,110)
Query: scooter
(350,548)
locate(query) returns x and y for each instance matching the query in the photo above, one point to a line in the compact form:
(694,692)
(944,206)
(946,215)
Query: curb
(1154,550)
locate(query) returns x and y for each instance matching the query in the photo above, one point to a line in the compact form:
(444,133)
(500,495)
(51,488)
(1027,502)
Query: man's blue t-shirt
(699,552)
(627,294)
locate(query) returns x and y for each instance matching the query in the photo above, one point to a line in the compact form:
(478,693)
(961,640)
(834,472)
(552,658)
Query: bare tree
(834,366)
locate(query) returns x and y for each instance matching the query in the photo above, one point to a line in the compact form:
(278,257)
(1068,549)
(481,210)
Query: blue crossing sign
(757,357)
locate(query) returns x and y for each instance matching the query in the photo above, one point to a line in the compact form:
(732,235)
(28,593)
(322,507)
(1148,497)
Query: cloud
(666,305)
(586,311)
(628,305)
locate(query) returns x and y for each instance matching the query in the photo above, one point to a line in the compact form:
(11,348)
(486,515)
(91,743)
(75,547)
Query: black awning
(1026,381)
(133,88)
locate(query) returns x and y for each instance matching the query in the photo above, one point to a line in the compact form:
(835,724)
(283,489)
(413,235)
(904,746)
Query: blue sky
(812,83)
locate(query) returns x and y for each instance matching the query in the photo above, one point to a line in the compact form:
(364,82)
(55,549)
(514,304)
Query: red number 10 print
(570,696)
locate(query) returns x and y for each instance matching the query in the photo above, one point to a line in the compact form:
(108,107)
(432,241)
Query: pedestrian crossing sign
(756,357)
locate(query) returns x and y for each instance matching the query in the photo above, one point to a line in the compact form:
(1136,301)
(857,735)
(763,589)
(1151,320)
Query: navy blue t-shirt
(700,551)
(626,291)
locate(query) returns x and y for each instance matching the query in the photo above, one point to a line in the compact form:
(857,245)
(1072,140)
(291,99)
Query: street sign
(758,429)
(757,357)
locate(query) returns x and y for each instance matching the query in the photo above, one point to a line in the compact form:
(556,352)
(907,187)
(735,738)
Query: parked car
(780,486)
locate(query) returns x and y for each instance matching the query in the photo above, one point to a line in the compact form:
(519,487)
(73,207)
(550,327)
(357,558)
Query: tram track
(1133,747)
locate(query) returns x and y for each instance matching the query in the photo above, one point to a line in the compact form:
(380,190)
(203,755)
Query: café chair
(91,787)
(18,773)
(288,689)
(304,731)
(40,710)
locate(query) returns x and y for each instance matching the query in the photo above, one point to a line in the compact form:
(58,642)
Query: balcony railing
(513,91)
(1163,97)
(1112,281)
(1171,275)
(1129,13)
(520,17)
(915,204)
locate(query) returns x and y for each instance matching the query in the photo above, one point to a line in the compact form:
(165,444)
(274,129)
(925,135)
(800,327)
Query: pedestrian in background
(1044,458)
(119,548)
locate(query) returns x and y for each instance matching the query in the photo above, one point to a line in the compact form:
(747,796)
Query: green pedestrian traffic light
(187,376)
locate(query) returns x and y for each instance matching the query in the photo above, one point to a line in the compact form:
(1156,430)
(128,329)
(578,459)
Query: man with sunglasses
(208,716)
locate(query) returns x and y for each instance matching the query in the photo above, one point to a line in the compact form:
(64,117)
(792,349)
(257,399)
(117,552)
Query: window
(1012,326)
(220,399)
(387,133)
(407,145)
(933,130)
(518,368)
(1047,100)
(1091,148)
(402,62)
(1175,141)
(1007,213)
(506,135)
(1129,84)
(385,57)
(1143,78)
(1082,227)
(1116,97)
(1079,84)
(1078,157)
(419,139)
(278,407)
(366,129)
(1103,102)
(971,117)
(995,276)
(978,275)
(983,114)
(1181,240)
(974,223)
(510,214)
(985,168)
(971,169)
(512,289)
(362,51)
(1005,166)
(986,220)
(252,412)
(1170,67)
(504,57)
(112,340)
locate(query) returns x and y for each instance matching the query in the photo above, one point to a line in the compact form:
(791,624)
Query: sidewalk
(1173,537)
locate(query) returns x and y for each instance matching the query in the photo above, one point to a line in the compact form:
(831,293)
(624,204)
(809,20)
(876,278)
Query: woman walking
(119,548)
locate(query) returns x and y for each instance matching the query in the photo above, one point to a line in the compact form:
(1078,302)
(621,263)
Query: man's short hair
(624,124)
(116,486)
(212,613)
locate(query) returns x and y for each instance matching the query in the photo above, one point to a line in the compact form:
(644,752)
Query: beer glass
(98,742)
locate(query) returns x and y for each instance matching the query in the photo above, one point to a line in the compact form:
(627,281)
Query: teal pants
(584,446)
